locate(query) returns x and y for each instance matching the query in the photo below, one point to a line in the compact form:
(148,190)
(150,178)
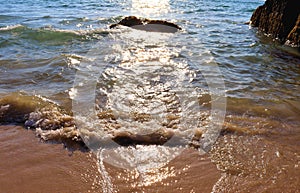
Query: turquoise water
(44,45)
(37,36)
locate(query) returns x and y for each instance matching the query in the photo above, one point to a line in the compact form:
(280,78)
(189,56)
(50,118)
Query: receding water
(148,104)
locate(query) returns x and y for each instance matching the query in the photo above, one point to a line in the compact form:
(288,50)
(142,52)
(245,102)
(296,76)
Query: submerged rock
(148,25)
(280,19)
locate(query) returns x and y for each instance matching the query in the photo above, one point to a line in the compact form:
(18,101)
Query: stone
(294,36)
(279,19)
(148,25)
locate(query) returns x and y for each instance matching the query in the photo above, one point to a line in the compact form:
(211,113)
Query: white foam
(11,27)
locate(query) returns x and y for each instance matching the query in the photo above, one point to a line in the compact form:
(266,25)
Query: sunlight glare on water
(149,7)
(135,90)
(148,88)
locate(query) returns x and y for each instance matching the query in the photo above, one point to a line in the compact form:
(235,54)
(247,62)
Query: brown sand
(28,164)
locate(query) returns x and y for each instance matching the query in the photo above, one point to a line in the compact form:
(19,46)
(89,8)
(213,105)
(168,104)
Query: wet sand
(238,162)
(28,164)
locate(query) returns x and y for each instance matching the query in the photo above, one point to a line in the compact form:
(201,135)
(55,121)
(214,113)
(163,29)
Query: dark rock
(148,25)
(294,35)
(279,19)
(157,138)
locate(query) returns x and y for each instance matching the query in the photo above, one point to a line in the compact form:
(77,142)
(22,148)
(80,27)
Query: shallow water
(60,60)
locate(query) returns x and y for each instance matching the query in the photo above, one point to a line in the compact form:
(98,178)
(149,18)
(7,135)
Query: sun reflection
(156,175)
(150,82)
(150,7)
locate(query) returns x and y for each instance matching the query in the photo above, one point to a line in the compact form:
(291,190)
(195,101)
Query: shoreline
(37,166)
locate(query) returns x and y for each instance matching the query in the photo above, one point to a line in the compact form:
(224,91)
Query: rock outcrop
(294,35)
(148,25)
(280,19)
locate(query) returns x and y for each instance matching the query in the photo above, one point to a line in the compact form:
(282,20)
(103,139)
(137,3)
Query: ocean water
(228,92)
